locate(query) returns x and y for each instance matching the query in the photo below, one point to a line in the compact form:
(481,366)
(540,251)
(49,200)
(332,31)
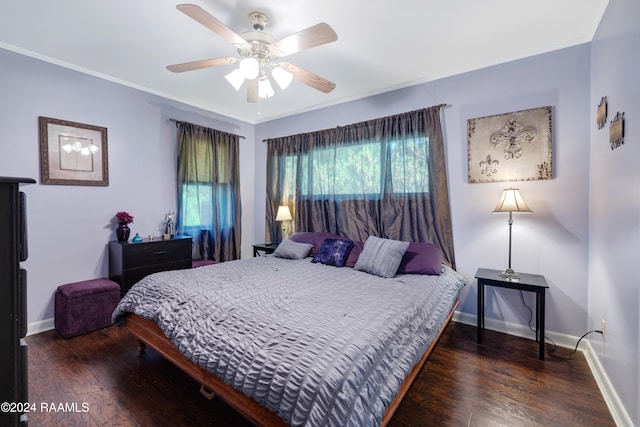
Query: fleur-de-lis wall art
(512,136)
(489,166)
(514,146)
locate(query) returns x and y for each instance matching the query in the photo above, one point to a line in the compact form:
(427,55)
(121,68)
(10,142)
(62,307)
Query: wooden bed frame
(149,333)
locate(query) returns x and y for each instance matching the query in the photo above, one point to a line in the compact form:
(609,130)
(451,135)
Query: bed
(294,342)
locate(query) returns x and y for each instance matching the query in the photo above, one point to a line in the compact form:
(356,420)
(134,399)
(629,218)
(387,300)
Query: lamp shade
(265,90)
(511,201)
(235,78)
(284,214)
(282,77)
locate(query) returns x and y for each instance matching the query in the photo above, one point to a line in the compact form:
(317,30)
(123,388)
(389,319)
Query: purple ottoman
(83,307)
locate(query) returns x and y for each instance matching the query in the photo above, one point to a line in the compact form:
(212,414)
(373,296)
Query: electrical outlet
(603,328)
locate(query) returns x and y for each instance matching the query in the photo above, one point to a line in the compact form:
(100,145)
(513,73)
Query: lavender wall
(553,241)
(584,233)
(69,226)
(614,231)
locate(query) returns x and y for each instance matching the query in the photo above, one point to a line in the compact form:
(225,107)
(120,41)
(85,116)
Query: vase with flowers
(122,232)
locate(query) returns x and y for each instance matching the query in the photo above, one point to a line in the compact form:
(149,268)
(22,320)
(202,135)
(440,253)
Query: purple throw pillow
(314,237)
(421,258)
(354,253)
(333,252)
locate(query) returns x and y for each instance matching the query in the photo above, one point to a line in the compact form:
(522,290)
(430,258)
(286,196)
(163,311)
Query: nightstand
(266,248)
(527,282)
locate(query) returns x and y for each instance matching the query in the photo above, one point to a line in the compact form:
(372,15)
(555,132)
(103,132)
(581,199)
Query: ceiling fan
(259,54)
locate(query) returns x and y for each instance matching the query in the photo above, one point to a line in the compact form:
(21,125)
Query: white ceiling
(382,44)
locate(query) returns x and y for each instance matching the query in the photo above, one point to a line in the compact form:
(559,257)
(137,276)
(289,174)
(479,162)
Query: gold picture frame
(73,153)
(514,146)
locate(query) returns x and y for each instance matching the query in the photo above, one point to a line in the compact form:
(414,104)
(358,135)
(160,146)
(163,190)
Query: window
(384,177)
(357,169)
(198,204)
(208,188)
(409,165)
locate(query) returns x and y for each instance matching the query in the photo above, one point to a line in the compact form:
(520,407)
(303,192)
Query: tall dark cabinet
(13,301)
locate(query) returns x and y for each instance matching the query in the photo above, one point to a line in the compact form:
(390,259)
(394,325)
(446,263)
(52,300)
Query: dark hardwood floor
(104,382)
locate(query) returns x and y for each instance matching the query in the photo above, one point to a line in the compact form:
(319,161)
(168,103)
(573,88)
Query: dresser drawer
(130,262)
(152,253)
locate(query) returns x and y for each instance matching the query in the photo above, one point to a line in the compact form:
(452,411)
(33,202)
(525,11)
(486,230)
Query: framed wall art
(616,131)
(512,146)
(601,113)
(73,153)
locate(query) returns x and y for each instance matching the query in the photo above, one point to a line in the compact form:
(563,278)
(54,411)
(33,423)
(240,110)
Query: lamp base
(509,274)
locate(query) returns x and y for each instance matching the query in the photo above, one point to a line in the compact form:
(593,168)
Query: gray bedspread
(316,344)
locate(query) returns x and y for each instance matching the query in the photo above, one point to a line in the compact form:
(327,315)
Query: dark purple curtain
(209,191)
(384,177)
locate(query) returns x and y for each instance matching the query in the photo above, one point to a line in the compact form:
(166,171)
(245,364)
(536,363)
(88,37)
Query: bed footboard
(149,333)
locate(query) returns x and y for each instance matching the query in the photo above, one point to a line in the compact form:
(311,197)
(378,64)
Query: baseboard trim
(40,326)
(618,412)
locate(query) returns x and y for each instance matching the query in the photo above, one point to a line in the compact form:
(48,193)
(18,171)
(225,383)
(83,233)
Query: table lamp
(511,201)
(283,214)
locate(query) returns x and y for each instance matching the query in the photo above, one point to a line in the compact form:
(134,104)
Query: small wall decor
(616,131)
(512,146)
(73,153)
(601,114)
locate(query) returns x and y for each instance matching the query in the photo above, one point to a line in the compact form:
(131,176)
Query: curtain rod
(182,121)
(438,106)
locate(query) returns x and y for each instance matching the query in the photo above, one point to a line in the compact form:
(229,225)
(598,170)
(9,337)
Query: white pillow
(381,256)
(292,250)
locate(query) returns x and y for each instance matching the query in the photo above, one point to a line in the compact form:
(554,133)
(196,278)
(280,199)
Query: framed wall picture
(73,153)
(512,146)
(601,113)
(616,131)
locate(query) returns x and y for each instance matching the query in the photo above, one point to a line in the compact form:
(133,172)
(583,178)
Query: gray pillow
(381,256)
(292,250)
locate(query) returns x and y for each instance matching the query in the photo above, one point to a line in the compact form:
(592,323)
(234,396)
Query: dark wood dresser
(129,262)
(14,393)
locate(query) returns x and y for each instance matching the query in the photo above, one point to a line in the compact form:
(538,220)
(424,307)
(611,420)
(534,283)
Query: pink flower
(124,217)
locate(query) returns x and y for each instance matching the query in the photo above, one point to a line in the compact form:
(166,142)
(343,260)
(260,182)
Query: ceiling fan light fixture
(282,77)
(235,78)
(265,90)
(250,68)
(258,54)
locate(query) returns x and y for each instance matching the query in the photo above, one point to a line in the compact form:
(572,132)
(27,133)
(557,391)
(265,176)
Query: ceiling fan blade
(205,63)
(317,35)
(308,78)
(252,90)
(203,17)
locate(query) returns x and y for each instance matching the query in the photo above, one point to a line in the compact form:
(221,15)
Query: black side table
(527,282)
(267,248)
